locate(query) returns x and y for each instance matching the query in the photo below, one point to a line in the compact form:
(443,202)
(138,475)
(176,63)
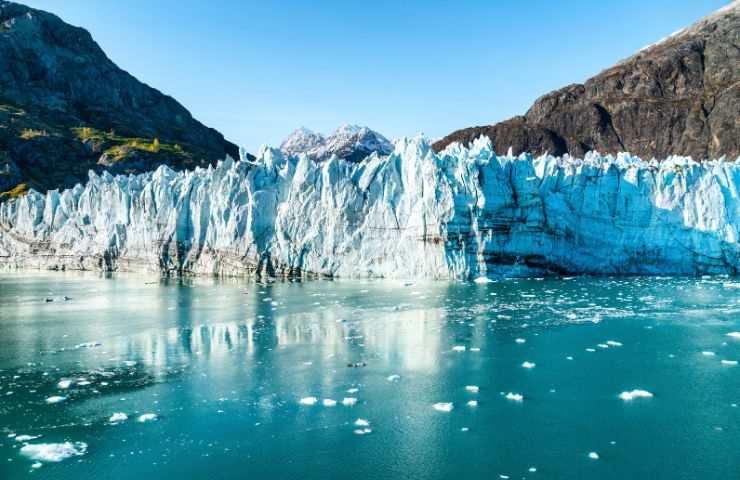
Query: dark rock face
(64,105)
(679,96)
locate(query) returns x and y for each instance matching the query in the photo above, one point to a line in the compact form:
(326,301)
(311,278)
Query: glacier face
(415,213)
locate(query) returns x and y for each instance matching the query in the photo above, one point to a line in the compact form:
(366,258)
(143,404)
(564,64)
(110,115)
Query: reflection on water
(224,365)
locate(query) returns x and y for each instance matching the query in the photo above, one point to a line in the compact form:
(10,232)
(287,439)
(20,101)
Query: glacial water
(201,378)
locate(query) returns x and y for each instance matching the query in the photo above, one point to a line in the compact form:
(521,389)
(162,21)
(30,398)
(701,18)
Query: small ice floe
(87,345)
(458,348)
(629,396)
(593,455)
(472,388)
(734,335)
(728,362)
(329,402)
(361,422)
(353,390)
(591,350)
(349,401)
(83,382)
(147,417)
(603,345)
(53,452)
(118,417)
(532,469)
(503,477)
(129,363)
(26,438)
(569,357)
(472,403)
(482,279)
(529,365)
(393,378)
(464,429)
(516,397)
(613,343)
(707,353)
(362,431)
(55,399)
(443,406)
(475,349)
(36,465)
(308,401)
(520,340)
(64,384)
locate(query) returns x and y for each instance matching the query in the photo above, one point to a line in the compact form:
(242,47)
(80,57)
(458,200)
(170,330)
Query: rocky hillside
(678,96)
(350,142)
(65,108)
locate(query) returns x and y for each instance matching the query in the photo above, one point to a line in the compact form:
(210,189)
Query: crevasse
(415,213)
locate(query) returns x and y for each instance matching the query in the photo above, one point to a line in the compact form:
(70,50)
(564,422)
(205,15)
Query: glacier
(461,213)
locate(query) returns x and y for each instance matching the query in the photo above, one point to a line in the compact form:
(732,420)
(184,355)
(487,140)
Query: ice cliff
(459,213)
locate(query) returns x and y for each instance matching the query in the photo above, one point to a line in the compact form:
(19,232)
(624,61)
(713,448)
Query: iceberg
(462,213)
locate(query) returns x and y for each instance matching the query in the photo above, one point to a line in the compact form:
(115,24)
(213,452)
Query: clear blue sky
(255,70)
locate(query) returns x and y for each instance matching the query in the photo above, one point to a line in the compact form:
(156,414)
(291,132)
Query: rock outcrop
(66,108)
(413,214)
(680,96)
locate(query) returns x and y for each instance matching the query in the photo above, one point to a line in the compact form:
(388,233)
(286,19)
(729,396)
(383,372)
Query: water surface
(224,365)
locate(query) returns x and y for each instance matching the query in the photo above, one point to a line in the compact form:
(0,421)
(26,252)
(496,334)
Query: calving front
(415,213)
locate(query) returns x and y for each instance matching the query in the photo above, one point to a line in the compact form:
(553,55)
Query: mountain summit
(66,108)
(351,142)
(679,96)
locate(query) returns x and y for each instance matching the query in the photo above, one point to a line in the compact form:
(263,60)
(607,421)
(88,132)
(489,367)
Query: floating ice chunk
(64,384)
(443,406)
(602,345)
(361,422)
(362,431)
(475,349)
(36,465)
(593,455)
(55,399)
(520,340)
(87,345)
(592,350)
(569,357)
(53,452)
(503,477)
(472,388)
(516,397)
(393,378)
(734,335)
(472,403)
(529,364)
(118,417)
(129,363)
(464,429)
(147,417)
(26,438)
(613,343)
(532,470)
(349,401)
(308,401)
(353,390)
(628,396)
(458,348)
(83,383)
(482,279)
(329,402)
(708,353)
(729,362)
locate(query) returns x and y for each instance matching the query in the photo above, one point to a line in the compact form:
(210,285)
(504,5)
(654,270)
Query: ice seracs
(407,213)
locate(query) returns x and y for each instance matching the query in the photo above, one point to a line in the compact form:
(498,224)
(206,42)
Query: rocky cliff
(680,96)
(66,108)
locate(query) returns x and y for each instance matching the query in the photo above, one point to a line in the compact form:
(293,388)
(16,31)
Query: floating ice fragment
(130,363)
(591,350)
(55,399)
(628,396)
(529,364)
(483,279)
(361,422)
(532,469)
(349,401)
(118,417)
(393,378)
(36,465)
(147,417)
(458,348)
(613,343)
(53,452)
(353,390)
(517,397)
(520,340)
(362,431)
(443,406)
(464,429)
(729,362)
(26,438)
(308,401)
(569,357)
(87,345)
(708,353)
(602,345)
(472,403)
(593,455)
(734,335)
(328,402)
(64,384)
(472,388)
(475,349)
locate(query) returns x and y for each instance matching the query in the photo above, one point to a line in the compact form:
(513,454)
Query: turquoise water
(224,365)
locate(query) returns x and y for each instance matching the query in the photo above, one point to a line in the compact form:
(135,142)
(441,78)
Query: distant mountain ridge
(350,142)
(65,108)
(678,96)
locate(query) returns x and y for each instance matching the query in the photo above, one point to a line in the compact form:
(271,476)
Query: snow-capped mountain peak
(351,142)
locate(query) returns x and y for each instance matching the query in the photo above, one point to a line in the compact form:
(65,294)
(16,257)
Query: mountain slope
(350,142)
(65,108)
(678,96)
